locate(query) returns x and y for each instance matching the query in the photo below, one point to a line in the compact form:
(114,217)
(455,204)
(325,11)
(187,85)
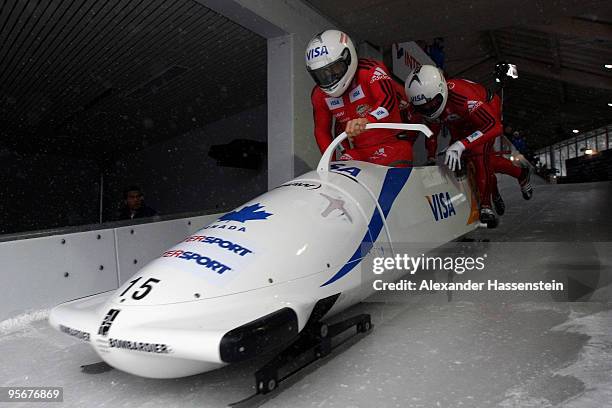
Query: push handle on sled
(328,154)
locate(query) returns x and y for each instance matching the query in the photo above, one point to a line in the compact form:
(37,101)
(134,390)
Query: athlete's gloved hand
(453,156)
(355,127)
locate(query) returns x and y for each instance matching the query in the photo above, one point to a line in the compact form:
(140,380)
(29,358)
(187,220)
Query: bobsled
(253,280)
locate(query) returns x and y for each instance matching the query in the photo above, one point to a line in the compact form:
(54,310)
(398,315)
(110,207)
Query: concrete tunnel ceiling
(128,74)
(560,48)
(95,78)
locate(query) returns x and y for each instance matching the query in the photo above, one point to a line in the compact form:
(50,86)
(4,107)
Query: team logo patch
(334,103)
(108,321)
(356,94)
(248,213)
(380,113)
(379,74)
(362,110)
(474,136)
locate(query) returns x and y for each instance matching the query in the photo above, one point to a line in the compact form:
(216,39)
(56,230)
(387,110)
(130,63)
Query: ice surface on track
(420,353)
(594,365)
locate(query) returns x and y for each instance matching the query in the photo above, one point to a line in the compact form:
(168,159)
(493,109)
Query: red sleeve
(431,143)
(383,88)
(322,121)
(485,118)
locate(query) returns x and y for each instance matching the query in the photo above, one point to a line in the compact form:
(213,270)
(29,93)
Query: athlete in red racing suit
(473,117)
(353,92)
(376,97)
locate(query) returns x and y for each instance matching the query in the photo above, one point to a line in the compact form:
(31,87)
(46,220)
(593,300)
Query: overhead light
(588,150)
(575,131)
(609,103)
(609,66)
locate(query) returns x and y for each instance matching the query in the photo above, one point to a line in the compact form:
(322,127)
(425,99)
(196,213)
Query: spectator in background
(508,132)
(133,205)
(435,51)
(518,141)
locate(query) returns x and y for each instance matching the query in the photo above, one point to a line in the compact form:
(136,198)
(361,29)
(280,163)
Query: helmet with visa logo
(427,91)
(331,60)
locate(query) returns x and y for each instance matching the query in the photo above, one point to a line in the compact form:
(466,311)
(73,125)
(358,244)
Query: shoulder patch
(380,113)
(334,103)
(356,94)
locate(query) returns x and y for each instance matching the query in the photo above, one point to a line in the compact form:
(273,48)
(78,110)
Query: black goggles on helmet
(430,107)
(330,74)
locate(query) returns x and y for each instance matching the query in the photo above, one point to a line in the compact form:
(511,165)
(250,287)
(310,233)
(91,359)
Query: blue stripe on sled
(395,179)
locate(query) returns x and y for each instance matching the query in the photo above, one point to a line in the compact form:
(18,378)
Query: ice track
(421,353)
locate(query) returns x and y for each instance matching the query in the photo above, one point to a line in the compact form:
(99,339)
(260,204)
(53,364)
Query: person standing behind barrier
(133,205)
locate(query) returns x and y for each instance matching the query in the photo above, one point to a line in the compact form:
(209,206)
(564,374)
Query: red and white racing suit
(374,95)
(473,116)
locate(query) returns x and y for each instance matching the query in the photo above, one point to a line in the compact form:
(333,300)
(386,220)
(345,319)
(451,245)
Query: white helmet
(427,90)
(332,61)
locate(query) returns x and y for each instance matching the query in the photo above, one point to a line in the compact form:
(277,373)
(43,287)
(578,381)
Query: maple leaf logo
(250,212)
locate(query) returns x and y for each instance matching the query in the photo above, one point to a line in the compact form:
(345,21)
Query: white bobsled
(249,281)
